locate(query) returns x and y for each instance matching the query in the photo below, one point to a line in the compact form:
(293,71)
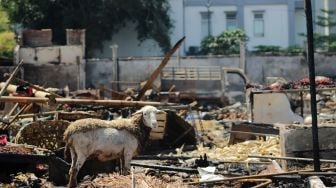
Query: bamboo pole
(26,106)
(12,89)
(33,115)
(110,103)
(106,103)
(13,109)
(16,70)
(23,99)
(38,88)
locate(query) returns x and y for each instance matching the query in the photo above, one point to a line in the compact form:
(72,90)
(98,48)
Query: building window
(206,24)
(258,24)
(231,20)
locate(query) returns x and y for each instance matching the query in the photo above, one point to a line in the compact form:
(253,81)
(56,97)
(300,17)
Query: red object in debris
(3,140)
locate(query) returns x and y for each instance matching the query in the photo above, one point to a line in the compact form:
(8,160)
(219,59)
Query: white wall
(300,27)
(275,23)
(193,22)
(59,54)
(128,44)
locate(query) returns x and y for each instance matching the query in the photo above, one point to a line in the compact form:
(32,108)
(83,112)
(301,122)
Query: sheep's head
(149,116)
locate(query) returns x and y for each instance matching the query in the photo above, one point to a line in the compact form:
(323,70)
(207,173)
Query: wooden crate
(159,132)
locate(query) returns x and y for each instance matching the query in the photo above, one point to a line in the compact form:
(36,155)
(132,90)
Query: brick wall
(37,38)
(75,36)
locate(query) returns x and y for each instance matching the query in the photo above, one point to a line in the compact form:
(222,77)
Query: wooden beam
(110,103)
(157,71)
(38,88)
(10,88)
(36,114)
(23,99)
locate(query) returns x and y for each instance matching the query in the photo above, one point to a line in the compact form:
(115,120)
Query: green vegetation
(272,49)
(267,48)
(7,37)
(228,42)
(100,18)
(325,42)
(295,49)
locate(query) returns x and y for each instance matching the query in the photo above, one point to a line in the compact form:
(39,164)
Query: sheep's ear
(138,111)
(159,111)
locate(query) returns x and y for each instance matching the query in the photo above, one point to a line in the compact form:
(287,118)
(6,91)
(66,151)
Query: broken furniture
(242,131)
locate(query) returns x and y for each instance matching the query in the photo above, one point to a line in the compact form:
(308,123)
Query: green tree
(326,42)
(7,37)
(100,18)
(228,42)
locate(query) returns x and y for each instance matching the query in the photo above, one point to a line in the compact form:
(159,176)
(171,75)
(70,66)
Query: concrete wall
(53,66)
(99,72)
(55,54)
(257,67)
(56,76)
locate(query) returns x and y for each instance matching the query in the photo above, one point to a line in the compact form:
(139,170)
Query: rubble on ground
(239,152)
(140,180)
(190,139)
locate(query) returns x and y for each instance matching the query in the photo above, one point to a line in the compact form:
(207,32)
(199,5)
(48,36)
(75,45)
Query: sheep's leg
(77,166)
(122,162)
(74,158)
(127,161)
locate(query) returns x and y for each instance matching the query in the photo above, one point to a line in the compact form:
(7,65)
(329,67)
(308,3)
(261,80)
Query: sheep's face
(149,116)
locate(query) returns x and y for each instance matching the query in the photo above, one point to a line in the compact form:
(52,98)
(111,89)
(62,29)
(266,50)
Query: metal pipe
(311,65)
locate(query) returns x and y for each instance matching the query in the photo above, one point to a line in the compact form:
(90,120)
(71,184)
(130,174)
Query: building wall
(257,67)
(128,44)
(300,27)
(193,22)
(54,54)
(282,22)
(275,25)
(54,66)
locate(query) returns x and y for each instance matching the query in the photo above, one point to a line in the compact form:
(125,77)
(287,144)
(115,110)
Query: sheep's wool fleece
(84,125)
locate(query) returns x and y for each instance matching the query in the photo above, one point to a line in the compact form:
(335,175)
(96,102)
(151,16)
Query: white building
(266,22)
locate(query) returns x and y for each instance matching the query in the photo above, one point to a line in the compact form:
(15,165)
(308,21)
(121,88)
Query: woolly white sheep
(108,140)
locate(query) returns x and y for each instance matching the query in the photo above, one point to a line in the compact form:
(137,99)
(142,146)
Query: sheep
(107,140)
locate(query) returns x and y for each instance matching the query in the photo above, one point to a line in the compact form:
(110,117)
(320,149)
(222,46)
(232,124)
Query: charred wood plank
(157,71)
(168,168)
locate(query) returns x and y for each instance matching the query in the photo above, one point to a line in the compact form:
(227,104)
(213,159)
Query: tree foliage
(7,40)
(228,42)
(326,42)
(100,18)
